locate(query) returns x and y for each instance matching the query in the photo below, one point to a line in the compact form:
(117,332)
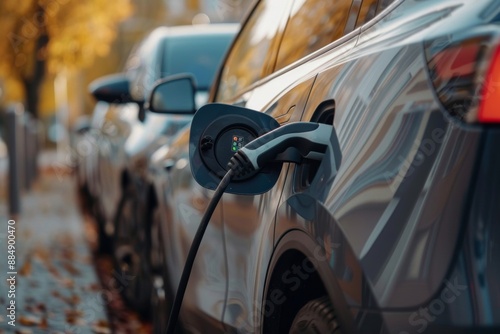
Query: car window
(367,11)
(312,25)
(254,49)
(383,4)
(200,55)
(141,69)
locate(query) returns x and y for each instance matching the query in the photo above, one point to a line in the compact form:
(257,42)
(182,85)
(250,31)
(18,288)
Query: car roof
(142,68)
(193,30)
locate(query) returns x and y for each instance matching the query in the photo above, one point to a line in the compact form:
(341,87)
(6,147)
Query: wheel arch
(296,249)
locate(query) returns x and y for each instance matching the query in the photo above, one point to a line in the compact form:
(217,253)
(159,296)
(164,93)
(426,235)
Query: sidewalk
(56,286)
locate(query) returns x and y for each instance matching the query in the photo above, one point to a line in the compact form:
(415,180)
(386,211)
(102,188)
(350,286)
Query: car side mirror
(173,95)
(112,89)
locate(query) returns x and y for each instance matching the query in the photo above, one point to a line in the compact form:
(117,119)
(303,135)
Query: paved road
(56,287)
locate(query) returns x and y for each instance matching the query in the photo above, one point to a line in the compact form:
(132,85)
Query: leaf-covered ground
(61,287)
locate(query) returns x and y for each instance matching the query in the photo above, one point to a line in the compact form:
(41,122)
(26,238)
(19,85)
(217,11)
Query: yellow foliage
(84,32)
(12,89)
(77,32)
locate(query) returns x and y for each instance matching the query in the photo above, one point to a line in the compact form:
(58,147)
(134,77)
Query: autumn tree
(46,36)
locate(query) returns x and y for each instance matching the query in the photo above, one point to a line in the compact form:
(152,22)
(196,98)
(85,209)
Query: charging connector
(307,140)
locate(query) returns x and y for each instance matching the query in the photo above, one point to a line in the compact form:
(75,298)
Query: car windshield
(198,55)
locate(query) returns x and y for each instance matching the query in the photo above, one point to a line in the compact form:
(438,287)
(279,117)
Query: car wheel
(316,317)
(128,246)
(123,251)
(131,252)
(143,284)
(104,239)
(82,192)
(161,298)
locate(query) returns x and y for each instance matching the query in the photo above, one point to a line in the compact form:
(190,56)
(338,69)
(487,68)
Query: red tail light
(489,108)
(466,76)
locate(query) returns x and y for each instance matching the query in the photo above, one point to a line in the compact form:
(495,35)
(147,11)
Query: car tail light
(489,107)
(466,76)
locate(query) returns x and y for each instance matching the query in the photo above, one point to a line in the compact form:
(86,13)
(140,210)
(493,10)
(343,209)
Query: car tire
(104,239)
(82,193)
(123,258)
(161,299)
(316,317)
(130,255)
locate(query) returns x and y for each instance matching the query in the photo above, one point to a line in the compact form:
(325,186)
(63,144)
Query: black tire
(83,197)
(143,284)
(316,317)
(122,244)
(131,252)
(161,298)
(104,239)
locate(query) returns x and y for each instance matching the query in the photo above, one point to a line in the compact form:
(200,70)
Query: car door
(249,220)
(387,200)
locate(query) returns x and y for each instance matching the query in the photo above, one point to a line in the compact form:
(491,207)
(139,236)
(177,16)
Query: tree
(48,36)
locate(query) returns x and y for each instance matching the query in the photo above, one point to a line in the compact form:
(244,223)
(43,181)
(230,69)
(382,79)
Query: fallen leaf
(24,331)
(56,294)
(44,324)
(67,282)
(68,252)
(72,316)
(71,269)
(53,270)
(29,320)
(26,267)
(41,307)
(42,253)
(73,300)
(101,327)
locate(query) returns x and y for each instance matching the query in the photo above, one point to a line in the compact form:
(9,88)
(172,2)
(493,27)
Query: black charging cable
(176,307)
(238,165)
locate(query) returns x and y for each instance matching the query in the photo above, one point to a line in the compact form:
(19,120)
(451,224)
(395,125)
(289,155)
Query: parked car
(86,136)
(193,53)
(99,145)
(3,154)
(3,148)
(397,231)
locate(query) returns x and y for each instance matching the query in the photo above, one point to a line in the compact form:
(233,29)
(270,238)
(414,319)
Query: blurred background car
(3,148)
(393,226)
(87,137)
(124,194)
(3,154)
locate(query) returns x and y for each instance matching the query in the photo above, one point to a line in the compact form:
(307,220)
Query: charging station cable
(179,296)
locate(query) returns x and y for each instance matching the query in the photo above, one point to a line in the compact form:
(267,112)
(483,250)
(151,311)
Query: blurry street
(57,287)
